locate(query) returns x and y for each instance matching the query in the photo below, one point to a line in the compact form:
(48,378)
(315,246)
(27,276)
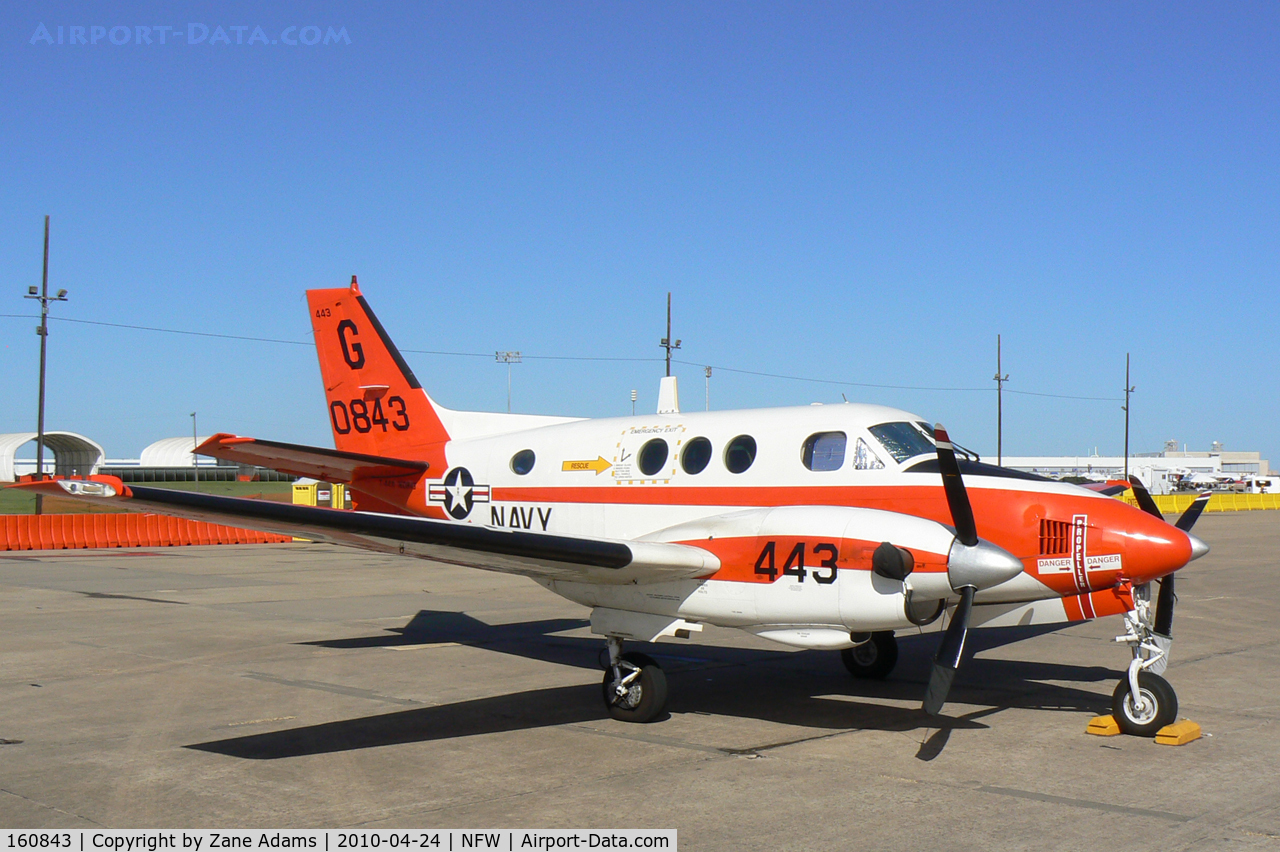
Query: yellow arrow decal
(599,465)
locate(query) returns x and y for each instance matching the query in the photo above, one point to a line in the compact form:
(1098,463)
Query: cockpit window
(865,458)
(902,440)
(824,451)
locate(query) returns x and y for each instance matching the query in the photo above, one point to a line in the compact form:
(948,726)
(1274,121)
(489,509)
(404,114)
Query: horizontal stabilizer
(313,462)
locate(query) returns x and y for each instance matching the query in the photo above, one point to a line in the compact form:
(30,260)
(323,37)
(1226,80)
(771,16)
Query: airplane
(818,527)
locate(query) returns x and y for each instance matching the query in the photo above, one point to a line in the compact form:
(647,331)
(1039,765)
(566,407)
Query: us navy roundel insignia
(459,493)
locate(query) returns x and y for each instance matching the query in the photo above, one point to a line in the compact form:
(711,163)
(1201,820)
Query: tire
(874,658)
(1161,710)
(646,699)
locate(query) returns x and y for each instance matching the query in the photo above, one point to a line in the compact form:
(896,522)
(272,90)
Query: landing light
(81,488)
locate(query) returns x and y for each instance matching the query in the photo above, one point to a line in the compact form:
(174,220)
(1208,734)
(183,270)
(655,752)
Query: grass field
(14,501)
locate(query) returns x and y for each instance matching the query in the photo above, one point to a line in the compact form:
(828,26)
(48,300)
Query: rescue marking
(600,464)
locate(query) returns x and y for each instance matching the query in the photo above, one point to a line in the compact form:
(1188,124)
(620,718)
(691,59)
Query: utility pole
(708,388)
(507,358)
(43,330)
(1128,389)
(195,442)
(1000,379)
(666,341)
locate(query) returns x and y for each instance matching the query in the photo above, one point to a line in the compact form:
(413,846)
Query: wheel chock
(1179,733)
(1103,726)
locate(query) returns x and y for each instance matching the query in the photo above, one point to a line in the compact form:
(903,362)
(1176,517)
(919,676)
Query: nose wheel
(635,687)
(1144,713)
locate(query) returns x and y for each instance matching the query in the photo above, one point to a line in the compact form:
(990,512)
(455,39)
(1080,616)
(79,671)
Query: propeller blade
(1189,517)
(1145,503)
(949,652)
(957,497)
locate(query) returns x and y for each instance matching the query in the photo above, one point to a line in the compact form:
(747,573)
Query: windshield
(903,440)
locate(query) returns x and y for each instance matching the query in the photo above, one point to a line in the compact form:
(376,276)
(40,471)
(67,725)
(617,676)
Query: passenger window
(695,455)
(522,462)
(865,458)
(653,455)
(740,453)
(824,451)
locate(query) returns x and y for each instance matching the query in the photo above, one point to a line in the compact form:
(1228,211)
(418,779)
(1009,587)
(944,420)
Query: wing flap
(538,555)
(314,462)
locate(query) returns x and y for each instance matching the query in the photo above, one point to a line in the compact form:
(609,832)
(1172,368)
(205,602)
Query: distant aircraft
(826,526)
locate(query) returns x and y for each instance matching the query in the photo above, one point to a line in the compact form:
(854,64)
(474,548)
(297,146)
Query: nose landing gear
(1144,702)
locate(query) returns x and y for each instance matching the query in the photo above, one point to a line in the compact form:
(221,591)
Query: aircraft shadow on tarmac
(807,689)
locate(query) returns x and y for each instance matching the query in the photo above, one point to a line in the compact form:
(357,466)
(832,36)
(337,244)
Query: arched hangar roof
(170,452)
(73,455)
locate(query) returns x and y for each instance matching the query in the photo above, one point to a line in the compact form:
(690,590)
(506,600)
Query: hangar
(73,455)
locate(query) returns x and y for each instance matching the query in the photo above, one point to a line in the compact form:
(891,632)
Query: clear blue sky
(864,193)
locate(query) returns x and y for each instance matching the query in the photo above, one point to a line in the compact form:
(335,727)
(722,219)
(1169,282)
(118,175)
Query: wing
(300,460)
(557,557)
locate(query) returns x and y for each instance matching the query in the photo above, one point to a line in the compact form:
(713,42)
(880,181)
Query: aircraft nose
(1198,547)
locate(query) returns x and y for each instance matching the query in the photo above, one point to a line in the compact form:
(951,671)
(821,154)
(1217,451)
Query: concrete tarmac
(307,686)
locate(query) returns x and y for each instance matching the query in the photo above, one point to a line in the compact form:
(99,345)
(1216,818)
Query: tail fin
(376,405)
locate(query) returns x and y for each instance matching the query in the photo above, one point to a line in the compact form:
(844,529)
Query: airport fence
(1221,501)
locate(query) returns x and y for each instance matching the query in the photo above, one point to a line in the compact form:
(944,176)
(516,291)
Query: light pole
(507,358)
(666,341)
(43,330)
(1000,379)
(633,402)
(708,388)
(195,442)
(1128,389)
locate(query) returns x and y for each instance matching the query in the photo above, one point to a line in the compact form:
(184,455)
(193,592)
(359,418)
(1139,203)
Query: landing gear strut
(874,658)
(1144,702)
(635,689)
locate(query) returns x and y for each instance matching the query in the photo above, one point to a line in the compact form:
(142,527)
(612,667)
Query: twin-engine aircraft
(825,526)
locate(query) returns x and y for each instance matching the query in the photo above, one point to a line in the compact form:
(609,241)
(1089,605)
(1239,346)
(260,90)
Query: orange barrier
(73,532)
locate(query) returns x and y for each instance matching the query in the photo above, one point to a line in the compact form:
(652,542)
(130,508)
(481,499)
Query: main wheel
(1155,707)
(645,697)
(874,658)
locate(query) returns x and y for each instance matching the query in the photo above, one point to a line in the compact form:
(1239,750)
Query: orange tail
(376,405)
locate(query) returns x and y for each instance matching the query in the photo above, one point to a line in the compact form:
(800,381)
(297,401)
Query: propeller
(972,564)
(1165,601)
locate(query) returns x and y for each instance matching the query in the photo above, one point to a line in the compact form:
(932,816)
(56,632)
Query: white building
(1160,472)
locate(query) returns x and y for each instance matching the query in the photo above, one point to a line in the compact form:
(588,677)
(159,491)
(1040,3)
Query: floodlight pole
(1000,379)
(1128,389)
(43,330)
(666,341)
(507,358)
(708,388)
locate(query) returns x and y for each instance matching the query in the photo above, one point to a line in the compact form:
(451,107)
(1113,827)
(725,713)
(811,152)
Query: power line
(584,358)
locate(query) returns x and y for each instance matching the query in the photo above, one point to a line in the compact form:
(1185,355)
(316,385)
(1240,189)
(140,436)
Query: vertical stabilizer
(375,403)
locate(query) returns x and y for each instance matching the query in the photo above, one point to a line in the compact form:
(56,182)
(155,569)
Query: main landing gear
(635,689)
(872,658)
